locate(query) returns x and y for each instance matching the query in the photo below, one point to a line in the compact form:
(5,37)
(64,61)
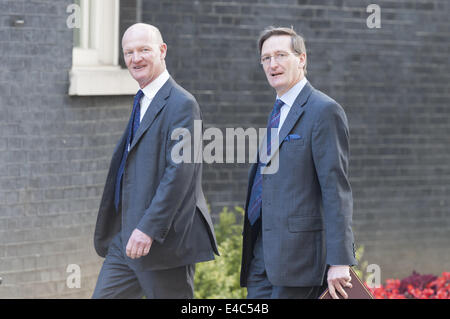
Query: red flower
(415,286)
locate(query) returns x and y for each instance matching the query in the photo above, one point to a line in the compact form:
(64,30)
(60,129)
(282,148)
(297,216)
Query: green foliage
(360,269)
(219,278)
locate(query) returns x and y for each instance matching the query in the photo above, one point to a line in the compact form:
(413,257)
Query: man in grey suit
(297,230)
(153,223)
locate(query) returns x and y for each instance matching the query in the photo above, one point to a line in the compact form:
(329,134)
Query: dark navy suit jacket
(160,197)
(307,203)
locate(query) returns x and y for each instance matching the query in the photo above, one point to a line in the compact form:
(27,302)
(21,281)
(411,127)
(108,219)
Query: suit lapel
(293,116)
(296,111)
(158,102)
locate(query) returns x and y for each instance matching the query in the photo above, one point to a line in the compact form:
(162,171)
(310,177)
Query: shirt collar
(153,87)
(289,97)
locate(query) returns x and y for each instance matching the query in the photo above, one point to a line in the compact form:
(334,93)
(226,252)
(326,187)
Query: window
(95,60)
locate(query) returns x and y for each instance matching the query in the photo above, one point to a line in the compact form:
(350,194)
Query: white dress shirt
(150,91)
(288,99)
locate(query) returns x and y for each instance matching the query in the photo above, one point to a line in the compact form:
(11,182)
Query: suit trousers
(259,286)
(118,280)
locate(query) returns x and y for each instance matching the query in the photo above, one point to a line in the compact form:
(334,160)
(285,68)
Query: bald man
(153,224)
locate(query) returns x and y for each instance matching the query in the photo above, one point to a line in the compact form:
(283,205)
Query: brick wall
(392,82)
(54,153)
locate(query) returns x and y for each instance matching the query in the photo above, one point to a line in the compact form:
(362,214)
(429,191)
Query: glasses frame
(279,57)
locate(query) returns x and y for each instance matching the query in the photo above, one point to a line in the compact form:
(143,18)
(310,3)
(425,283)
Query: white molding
(101,80)
(84,57)
(95,69)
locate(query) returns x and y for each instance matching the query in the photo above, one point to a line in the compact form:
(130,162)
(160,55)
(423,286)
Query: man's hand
(338,277)
(138,245)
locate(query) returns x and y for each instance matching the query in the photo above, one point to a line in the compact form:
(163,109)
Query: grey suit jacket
(307,203)
(159,197)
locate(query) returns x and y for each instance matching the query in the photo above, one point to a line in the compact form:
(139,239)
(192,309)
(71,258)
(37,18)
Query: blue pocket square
(292,137)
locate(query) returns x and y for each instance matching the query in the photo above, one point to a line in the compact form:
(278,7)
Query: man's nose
(273,62)
(136,57)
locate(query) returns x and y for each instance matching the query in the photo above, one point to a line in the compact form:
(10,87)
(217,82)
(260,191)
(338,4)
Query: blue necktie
(135,120)
(254,207)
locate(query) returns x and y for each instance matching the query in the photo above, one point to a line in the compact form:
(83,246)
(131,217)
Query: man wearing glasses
(297,228)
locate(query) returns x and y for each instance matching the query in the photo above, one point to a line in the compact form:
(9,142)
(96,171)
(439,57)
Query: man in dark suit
(297,229)
(153,223)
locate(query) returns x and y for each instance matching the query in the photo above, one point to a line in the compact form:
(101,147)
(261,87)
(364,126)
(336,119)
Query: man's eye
(281,55)
(265,59)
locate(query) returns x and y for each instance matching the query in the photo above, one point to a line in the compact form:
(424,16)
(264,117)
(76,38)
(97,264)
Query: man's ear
(163,49)
(302,58)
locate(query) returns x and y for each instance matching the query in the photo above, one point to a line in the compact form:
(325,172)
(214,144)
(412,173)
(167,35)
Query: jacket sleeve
(178,176)
(330,148)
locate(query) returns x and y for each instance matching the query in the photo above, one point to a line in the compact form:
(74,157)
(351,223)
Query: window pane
(93,14)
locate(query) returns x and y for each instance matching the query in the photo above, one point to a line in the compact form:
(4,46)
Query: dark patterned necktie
(135,120)
(254,206)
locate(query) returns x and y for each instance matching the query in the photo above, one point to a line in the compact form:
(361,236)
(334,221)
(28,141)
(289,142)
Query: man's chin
(141,80)
(277,86)
(275,83)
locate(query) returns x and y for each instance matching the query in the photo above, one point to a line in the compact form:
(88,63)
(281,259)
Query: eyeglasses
(278,57)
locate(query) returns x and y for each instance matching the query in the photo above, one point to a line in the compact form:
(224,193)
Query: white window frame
(95,63)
